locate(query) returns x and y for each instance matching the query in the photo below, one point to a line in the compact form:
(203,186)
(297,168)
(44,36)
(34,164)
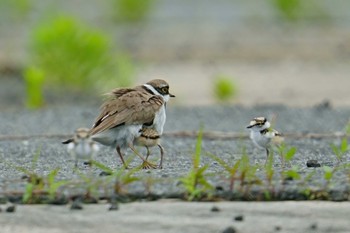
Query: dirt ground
(291,83)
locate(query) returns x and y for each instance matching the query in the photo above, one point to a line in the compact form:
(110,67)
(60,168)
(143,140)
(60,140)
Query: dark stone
(15,198)
(219,188)
(325,104)
(11,209)
(114,206)
(239,218)
(215,209)
(76,205)
(103,173)
(62,200)
(87,163)
(278,228)
(313,163)
(313,226)
(229,230)
(25,177)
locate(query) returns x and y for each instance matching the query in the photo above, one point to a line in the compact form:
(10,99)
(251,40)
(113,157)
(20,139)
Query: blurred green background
(248,52)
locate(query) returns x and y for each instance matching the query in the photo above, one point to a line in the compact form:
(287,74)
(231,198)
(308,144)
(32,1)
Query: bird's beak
(171,95)
(249,126)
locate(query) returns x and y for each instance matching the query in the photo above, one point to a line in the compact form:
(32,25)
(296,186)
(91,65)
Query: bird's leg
(145,163)
(121,157)
(75,168)
(148,153)
(161,156)
(267,156)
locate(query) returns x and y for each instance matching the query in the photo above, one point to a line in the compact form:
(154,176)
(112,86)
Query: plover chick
(81,146)
(262,134)
(149,138)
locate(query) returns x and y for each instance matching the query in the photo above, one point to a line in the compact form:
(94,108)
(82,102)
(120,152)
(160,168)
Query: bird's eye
(164,90)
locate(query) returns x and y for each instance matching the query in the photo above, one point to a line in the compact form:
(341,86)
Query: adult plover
(149,138)
(81,146)
(262,134)
(127,111)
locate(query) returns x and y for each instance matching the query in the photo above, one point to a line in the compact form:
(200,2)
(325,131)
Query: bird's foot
(148,165)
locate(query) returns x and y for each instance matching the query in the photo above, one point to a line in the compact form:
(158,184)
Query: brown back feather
(127,106)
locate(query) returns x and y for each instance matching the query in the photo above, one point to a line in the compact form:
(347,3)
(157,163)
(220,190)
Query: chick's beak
(171,95)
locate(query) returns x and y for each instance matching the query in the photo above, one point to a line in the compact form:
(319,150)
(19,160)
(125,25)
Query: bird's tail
(68,141)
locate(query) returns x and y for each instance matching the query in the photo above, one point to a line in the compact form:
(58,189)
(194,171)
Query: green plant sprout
(341,150)
(39,186)
(121,177)
(34,79)
(53,185)
(195,182)
(297,10)
(269,173)
(76,57)
(347,128)
(232,170)
(286,153)
(328,175)
(289,9)
(224,88)
(132,10)
(291,174)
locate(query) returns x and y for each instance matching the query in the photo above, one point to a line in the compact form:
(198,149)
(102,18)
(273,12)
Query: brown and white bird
(262,134)
(149,138)
(82,147)
(127,111)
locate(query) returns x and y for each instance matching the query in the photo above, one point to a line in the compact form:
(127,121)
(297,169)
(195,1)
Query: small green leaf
(344,145)
(328,173)
(28,193)
(290,153)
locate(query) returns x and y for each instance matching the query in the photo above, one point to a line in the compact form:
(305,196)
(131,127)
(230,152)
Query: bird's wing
(127,107)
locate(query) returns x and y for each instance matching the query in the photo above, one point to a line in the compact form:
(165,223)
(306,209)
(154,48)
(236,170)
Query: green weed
(38,185)
(347,128)
(195,182)
(286,153)
(297,10)
(76,57)
(52,185)
(132,10)
(340,150)
(224,88)
(232,170)
(34,79)
(121,177)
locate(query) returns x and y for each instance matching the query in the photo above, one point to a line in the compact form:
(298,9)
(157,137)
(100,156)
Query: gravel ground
(62,120)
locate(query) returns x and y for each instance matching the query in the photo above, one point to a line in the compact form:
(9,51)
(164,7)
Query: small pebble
(87,163)
(313,163)
(239,218)
(76,205)
(114,206)
(229,230)
(11,209)
(103,173)
(278,228)
(215,209)
(313,226)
